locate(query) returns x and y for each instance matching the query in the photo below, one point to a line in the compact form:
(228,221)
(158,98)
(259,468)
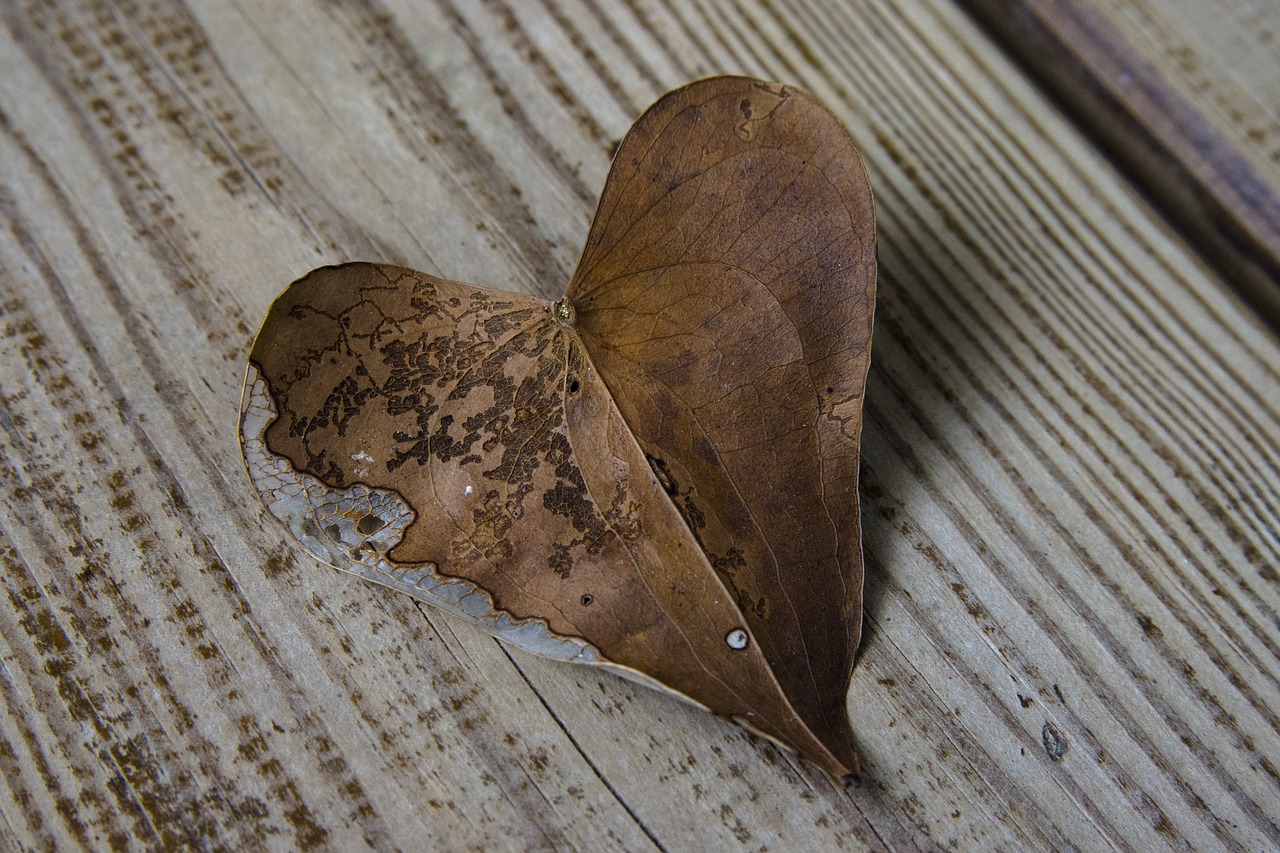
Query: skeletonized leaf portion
(725,295)
(454,442)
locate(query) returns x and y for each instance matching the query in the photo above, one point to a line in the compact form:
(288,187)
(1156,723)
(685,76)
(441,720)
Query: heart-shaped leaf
(656,474)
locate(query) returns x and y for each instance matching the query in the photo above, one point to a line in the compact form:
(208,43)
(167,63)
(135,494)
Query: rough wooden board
(1221,58)
(1071,464)
(1207,168)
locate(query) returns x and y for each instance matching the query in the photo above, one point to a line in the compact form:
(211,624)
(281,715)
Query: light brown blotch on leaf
(657,473)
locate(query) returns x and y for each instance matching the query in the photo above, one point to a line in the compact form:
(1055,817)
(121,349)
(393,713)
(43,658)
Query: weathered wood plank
(1071,448)
(1221,59)
(1150,84)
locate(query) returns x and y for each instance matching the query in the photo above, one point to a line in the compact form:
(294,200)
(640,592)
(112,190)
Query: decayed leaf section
(725,295)
(656,474)
(456,443)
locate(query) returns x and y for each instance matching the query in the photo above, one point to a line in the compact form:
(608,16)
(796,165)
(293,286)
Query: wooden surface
(1071,465)
(1183,97)
(1218,58)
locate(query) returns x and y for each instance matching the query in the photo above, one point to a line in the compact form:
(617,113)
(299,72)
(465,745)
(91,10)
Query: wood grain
(1220,59)
(1070,449)
(1164,91)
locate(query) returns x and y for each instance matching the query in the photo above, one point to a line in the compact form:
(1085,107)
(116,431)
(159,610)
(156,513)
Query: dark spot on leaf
(560,561)
(664,476)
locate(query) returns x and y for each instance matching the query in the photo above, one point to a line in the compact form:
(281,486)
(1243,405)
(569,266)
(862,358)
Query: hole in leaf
(369,524)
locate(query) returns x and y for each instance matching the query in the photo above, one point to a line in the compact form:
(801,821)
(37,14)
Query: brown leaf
(656,474)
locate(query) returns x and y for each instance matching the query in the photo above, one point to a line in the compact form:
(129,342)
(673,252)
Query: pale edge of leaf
(323,520)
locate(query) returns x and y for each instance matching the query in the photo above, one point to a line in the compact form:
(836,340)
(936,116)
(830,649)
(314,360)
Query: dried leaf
(656,474)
